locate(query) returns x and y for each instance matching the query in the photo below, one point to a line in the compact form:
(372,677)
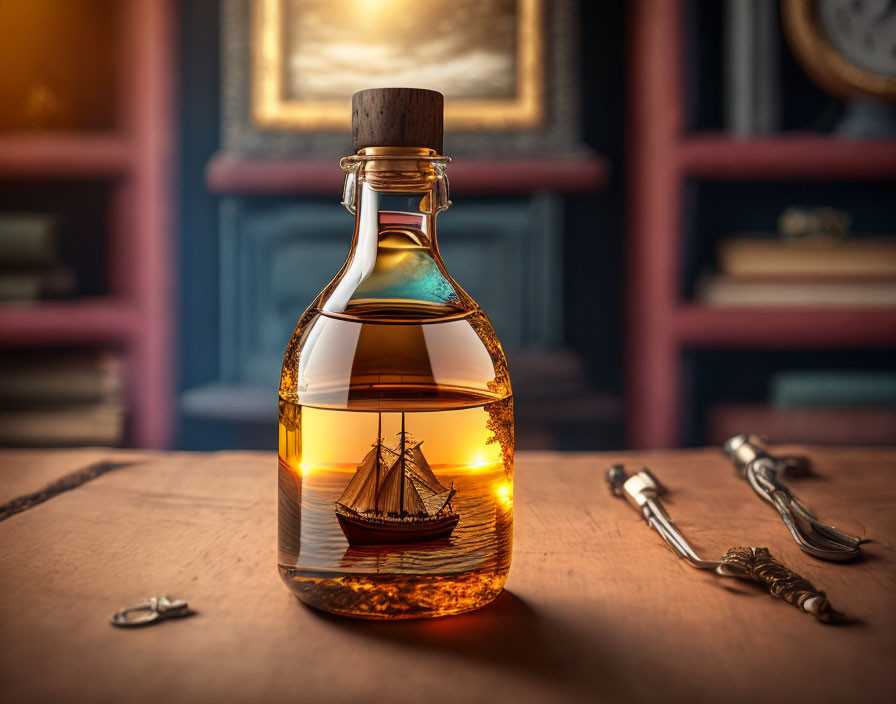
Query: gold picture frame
(271,108)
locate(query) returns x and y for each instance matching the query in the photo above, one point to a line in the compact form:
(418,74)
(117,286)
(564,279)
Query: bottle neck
(403,180)
(394,267)
(385,219)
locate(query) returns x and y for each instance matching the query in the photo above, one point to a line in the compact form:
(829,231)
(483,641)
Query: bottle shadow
(507,634)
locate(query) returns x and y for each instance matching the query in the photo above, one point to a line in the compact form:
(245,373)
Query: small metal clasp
(150,611)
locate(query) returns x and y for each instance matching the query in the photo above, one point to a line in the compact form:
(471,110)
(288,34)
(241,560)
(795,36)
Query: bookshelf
(803,157)
(785,327)
(133,162)
(98,321)
(661,326)
(228,174)
(58,155)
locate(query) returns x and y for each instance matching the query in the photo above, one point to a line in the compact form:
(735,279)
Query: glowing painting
(485,56)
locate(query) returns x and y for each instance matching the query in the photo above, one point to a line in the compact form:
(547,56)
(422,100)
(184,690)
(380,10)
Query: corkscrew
(642,490)
(762,472)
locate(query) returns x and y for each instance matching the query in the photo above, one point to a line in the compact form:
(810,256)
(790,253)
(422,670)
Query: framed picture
(506,68)
(486,58)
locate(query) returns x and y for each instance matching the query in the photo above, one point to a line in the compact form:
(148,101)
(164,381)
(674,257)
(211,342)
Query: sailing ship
(394,498)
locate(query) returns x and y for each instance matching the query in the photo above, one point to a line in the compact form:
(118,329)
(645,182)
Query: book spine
(751,63)
(819,426)
(27,239)
(790,389)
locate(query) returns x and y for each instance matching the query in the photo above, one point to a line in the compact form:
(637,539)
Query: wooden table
(596,607)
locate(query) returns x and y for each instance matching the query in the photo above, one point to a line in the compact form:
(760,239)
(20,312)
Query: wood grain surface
(596,608)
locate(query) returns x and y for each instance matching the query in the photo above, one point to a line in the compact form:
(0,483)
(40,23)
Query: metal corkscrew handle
(642,491)
(762,472)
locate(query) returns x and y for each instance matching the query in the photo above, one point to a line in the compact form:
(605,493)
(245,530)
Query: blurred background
(680,215)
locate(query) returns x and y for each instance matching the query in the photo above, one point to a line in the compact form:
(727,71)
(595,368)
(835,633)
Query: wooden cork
(397,117)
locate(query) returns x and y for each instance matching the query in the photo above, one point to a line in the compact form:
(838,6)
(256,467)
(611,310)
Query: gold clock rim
(824,63)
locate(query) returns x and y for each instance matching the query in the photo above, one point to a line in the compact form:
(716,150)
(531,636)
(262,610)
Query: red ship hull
(361,531)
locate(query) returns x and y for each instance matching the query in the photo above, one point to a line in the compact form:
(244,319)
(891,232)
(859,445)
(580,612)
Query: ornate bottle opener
(763,471)
(642,490)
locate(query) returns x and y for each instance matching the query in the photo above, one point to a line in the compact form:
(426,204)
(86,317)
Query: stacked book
(30,269)
(60,399)
(556,407)
(835,407)
(758,271)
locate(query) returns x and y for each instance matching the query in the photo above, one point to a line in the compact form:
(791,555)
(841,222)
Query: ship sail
(433,501)
(360,494)
(419,468)
(390,494)
(364,470)
(424,493)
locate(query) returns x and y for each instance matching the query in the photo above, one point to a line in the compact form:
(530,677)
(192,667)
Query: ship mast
(402,460)
(379,461)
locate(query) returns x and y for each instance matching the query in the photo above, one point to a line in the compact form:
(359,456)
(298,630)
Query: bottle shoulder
(394,272)
(369,361)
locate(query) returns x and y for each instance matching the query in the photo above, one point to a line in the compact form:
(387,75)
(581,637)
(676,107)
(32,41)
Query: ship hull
(361,531)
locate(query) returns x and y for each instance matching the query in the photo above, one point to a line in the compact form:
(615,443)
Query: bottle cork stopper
(397,117)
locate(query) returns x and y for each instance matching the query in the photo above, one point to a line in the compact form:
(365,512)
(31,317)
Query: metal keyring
(150,611)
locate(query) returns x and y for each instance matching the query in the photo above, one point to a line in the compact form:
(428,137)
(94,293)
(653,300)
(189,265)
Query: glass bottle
(396,413)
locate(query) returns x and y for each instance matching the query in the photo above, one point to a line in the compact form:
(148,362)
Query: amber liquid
(366,378)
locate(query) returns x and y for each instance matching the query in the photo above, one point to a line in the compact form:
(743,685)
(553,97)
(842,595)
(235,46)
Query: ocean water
(481,541)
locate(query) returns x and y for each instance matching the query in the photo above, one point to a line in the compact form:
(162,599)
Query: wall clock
(848,47)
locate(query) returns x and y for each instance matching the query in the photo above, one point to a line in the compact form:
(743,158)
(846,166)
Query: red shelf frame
(56,155)
(138,318)
(703,326)
(661,158)
(67,322)
(322,176)
(795,157)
